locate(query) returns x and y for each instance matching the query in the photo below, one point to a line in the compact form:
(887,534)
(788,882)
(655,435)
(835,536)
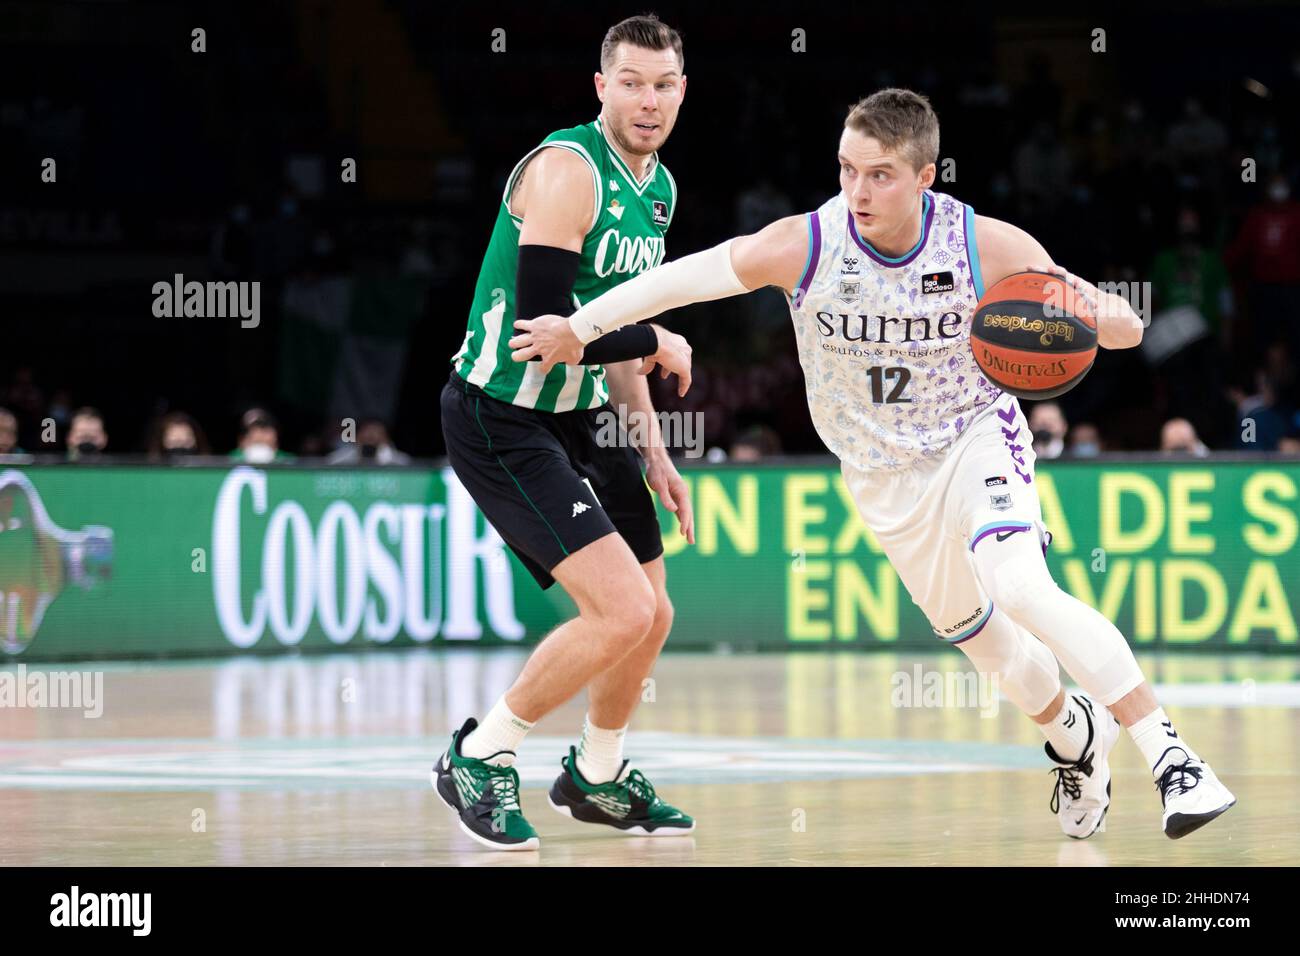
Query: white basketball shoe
(1082,793)
(1192,795)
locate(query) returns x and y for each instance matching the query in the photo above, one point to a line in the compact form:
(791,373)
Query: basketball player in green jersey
(584,211)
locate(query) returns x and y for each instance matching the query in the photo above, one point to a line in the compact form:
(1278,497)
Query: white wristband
(701,277)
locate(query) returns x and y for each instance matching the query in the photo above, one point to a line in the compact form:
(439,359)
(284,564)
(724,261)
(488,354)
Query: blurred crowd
(1172,177)
(80,435)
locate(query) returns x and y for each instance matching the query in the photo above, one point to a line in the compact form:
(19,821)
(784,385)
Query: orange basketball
(1033,335)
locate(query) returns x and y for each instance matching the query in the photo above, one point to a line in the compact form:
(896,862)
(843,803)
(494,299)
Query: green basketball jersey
(626,237)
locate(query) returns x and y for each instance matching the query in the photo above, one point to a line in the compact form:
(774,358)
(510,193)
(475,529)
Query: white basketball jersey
(884,342)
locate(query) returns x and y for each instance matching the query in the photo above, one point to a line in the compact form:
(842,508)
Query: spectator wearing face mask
(1178,437)
(1085,441)
(9,433)
(372,447)
(1262,417)
(259,439)
(87,438)
(1047,423)
(177,435)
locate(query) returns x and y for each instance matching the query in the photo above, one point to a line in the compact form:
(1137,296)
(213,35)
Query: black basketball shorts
(543,481)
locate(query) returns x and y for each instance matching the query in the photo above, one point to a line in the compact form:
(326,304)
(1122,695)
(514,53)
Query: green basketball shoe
(484,794)
(627,803)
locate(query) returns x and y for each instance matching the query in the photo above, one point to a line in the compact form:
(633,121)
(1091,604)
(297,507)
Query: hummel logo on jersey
(1069,721)
(579,507)
(659,211)
(1169,728)
(850,266)
(937,282)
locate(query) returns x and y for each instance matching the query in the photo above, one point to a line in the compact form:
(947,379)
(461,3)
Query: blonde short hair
(901,121)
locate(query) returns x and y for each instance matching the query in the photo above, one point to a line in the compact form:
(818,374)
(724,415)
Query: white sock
(1154,734)
(1067,732)
(600,752)
(500,730)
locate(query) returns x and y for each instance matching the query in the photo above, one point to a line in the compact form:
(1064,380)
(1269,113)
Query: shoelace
(1177,775)
(504,782)
(1067,779)
(1070,779)
(639,785)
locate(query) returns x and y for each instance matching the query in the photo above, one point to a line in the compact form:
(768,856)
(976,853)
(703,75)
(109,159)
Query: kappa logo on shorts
(937,282)
(1000,502)
(659,210)
(579,507)
(995,481)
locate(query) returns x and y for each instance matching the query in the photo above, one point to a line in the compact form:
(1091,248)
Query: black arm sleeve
(544,281)
(544,286)
(628,342)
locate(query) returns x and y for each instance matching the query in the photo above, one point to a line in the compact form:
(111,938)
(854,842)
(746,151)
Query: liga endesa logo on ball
(1046,329)
(1025,344)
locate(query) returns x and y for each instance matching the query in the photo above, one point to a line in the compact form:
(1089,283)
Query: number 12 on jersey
(898,376)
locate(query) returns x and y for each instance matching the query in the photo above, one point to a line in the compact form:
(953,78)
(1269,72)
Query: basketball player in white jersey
(882,282)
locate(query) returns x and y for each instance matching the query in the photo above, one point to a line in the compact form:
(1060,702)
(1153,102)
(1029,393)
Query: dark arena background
(245,600)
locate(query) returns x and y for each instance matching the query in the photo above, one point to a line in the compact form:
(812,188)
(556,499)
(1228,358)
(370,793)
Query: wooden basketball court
(784,759)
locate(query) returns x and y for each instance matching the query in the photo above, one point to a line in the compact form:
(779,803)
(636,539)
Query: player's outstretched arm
(773,256)
(1005,249)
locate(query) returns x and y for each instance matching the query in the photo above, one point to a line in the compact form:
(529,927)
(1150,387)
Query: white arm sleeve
(701,277)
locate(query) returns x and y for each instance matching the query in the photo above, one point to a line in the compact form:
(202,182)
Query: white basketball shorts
(929,516)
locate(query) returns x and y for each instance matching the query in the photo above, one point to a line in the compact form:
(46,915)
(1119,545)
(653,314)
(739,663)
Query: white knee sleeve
(1091,648)
(1027,673)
